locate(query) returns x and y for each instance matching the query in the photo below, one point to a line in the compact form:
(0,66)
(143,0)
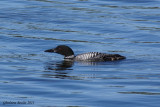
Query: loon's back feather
(87,56)
(96,56)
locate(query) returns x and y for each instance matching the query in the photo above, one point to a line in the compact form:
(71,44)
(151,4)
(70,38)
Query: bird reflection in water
(60,69)
(59,66)
(63,69)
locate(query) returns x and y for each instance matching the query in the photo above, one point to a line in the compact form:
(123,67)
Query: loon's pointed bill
(90,56)
(50,50)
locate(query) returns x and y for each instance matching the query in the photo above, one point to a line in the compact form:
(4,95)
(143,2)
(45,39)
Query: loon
(90,56)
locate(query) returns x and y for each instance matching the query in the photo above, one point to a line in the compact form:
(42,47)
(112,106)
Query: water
(31,77)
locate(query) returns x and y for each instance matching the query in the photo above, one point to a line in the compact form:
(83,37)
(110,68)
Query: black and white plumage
(90,56)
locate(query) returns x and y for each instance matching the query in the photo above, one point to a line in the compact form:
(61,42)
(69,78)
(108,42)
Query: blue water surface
(31,77)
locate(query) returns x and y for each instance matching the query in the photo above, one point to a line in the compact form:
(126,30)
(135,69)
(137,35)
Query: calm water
(32,77)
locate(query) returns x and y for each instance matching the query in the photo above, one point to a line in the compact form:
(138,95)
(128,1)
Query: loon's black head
(62,49)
